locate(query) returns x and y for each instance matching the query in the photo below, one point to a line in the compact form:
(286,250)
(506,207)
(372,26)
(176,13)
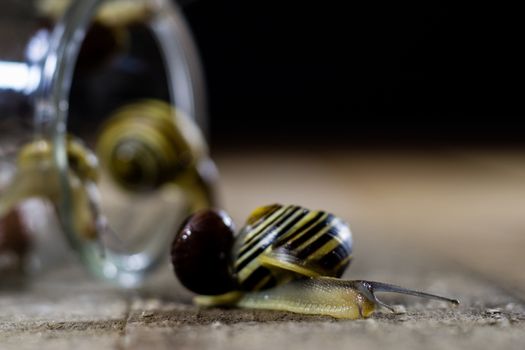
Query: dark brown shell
(201,253)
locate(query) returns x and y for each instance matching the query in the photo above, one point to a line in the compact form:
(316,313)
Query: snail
(143,146)
(148,144)
(108,34)
(111,13)
(38,176)
(286,257)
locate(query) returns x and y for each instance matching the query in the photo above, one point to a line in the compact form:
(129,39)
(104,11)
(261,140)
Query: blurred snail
(37,176)
(149,144)
(285,258)
(143,147)
(110,13)
(109,31)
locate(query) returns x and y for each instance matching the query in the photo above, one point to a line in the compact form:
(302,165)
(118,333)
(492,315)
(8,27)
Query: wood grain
(446,221)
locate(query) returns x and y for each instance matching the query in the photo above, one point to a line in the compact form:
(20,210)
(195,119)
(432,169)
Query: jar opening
(101,63)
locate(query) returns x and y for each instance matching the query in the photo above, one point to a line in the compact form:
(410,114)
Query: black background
(361,71)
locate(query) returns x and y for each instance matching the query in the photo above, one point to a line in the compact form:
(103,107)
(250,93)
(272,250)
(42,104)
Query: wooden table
(447,221)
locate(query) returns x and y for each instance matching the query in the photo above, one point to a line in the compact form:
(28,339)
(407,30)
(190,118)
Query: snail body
(285,258)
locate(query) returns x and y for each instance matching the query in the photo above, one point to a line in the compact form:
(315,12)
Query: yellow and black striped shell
(147,144)
(280,242)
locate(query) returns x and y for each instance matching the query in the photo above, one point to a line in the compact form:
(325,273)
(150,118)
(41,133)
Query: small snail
(109,32)
(37,176)
(285,258)
(110,13)
(149,144)
(143,146)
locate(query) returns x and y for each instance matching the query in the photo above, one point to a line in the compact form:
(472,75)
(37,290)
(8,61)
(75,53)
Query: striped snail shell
(147,144)
(286,258)
(290,238)
(277,243)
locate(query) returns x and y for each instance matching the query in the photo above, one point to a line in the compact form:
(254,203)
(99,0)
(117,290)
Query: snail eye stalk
(369,288)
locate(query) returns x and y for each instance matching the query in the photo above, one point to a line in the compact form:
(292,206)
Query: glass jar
(101,112)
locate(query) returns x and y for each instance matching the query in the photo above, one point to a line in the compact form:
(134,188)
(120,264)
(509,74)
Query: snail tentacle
(369,288)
